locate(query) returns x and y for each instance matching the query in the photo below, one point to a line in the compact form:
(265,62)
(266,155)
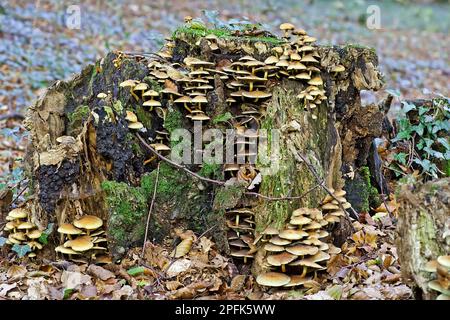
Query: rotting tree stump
(423,231)
(100,170)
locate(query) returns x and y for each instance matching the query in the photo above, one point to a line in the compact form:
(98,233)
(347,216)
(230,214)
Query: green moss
(144,116)
(135,147)
(373,197)
(77,116)
(195,33)
(213,171)
(359,46)
(228,197)
(153,84)
(169,183)
(361,193)
(129,208)
(174,120)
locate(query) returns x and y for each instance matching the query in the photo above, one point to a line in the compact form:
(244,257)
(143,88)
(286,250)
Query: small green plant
(45,234)
(21,250)
(423,139)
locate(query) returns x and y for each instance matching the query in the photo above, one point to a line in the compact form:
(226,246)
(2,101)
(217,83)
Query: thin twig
(176,164)
(150,211)
(283,198)
(203,234)
(218,182)
(19,193)
(320,181)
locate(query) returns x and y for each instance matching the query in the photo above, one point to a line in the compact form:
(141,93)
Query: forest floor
(36,48)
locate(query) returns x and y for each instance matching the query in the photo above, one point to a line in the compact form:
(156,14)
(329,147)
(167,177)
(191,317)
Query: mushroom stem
(251,86)
(305,269)
(134,94)
(283,268)
(187,108)
(237,219)
(149,160)
(245,260)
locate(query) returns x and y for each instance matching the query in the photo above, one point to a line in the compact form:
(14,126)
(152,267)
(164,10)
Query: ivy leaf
(21,250)
(407,107)
(400,157)
(422,110)
(44,236)
(419,129)
(2,241)
(135,271)
(67,293)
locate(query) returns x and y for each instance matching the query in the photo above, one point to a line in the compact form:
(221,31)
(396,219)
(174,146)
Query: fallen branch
(178,165)
(321,182)
(218,182)
(150,211)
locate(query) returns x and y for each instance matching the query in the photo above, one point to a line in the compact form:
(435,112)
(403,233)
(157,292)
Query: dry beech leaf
(99,272)
(178,267)
(237,283)
(182,248)
(16,271)
(173,285)
(205,244)
(5,288)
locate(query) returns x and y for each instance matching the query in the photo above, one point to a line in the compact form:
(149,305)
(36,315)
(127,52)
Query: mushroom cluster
(299,60)
(241,224)
(246,80)
(332,206)
(440,267)
(84,237)
(297,250)
(21,231)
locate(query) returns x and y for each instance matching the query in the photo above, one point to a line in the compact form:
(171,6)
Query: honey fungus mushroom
(273,279)
(67,229)
(88,223)
(286,28)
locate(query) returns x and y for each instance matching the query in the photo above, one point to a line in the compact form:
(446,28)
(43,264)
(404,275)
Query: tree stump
(423,231)
(98,168)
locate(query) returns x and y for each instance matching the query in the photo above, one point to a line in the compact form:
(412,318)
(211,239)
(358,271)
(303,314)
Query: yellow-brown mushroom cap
(65,250)
(277,260)
(273,279)
(18,213)
(68,228)
(25,226)
(81,244)
(88,222)
(34,234)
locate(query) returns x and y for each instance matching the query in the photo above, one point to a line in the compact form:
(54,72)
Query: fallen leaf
(237,283)
(16,271)
(178,267)
(126,290)
(37,289)
(99,272)
(205,244)
(73,280)
(5,288)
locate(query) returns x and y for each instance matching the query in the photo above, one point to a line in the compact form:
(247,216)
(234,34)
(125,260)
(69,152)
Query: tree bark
(423,231)
(101,172)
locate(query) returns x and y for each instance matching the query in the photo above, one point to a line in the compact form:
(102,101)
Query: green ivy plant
(426,131)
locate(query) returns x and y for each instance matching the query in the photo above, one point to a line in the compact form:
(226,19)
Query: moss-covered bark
(114,183)
(423,231)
